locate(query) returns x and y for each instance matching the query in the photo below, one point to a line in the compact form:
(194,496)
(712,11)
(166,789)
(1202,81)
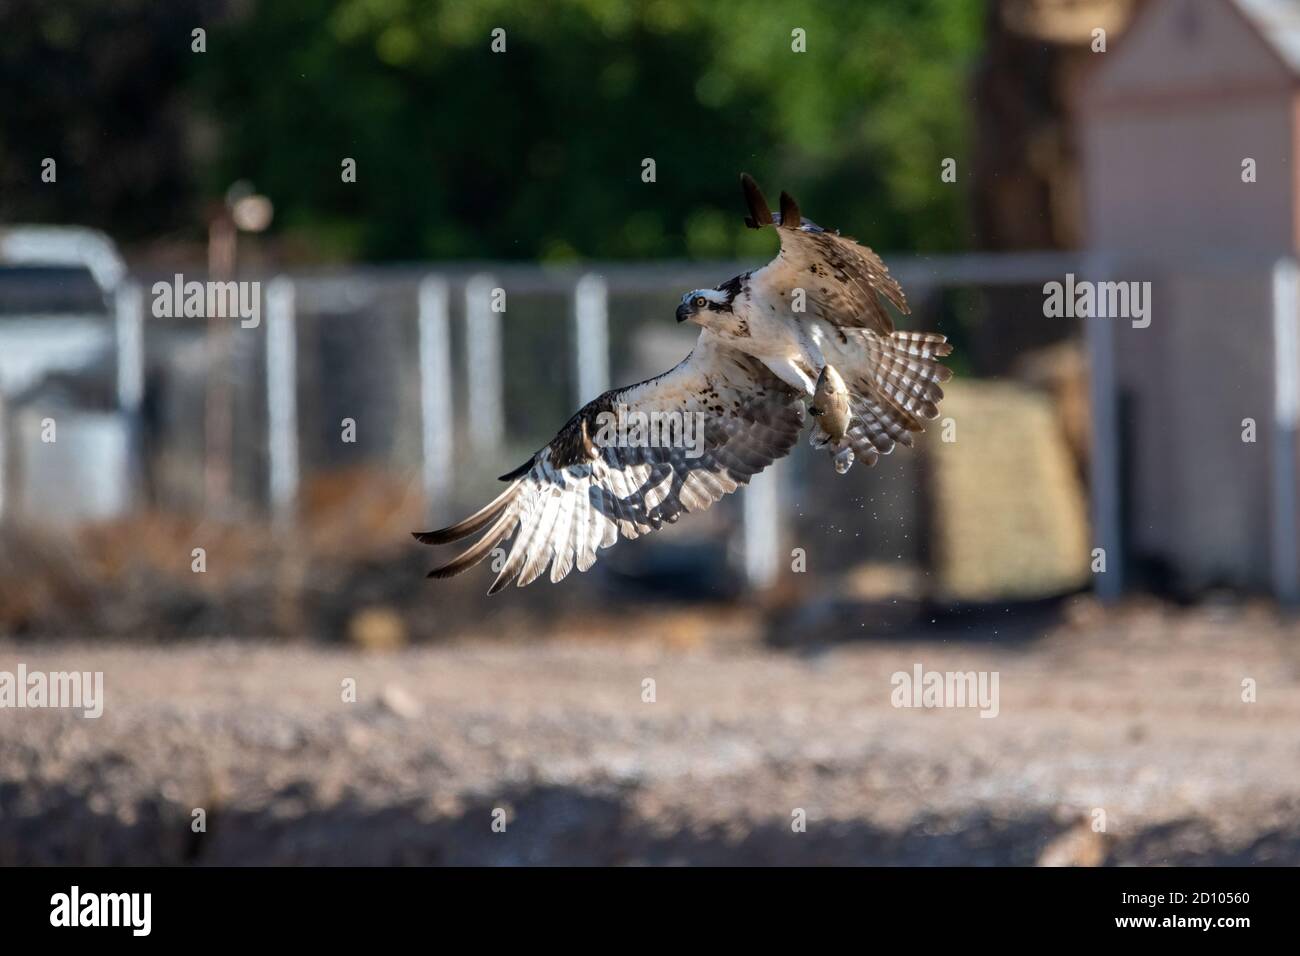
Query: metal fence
(441,378)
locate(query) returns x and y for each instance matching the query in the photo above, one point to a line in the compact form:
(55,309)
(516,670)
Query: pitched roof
(1278,22)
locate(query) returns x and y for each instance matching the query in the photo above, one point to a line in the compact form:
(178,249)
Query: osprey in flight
(808,326)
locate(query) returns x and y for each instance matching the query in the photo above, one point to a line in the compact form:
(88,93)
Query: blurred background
(218,516)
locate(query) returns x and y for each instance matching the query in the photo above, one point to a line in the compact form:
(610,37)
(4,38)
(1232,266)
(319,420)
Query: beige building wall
(1169,183)
(1168,118)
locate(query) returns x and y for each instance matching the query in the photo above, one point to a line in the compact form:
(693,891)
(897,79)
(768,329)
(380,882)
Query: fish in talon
(830,404)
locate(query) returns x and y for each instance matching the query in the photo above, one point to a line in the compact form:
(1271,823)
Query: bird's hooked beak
(683,312)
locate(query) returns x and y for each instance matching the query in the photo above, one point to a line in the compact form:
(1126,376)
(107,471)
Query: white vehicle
(65,429)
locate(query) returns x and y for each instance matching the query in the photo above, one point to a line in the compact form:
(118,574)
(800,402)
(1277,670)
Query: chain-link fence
(401,393)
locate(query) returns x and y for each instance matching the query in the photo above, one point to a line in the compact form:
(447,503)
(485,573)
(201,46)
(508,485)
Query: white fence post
(483,365)
(282,399)
(4,445)
(437,423)
(128,315)
(761,516)
(128,308)
(591,337)
(1103,463)
(1286,411)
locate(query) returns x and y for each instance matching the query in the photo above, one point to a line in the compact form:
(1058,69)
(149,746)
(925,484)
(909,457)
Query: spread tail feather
(897,391)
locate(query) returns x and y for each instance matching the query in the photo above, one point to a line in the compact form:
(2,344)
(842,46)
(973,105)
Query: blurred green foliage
(101,89)
(537,153)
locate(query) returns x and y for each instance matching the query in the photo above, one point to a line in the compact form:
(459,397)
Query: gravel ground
(1136,713)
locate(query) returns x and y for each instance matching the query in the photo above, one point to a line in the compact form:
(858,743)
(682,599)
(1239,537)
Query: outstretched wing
(843,281)
(587,487)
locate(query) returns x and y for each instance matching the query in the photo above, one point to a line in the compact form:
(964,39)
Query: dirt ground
(1133,719)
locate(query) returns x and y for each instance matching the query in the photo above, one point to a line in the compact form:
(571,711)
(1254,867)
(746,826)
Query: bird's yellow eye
(700,302)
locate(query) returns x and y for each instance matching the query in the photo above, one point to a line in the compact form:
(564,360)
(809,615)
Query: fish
(830,404)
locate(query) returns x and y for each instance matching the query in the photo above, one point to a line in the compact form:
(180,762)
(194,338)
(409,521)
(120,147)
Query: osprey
(766,339)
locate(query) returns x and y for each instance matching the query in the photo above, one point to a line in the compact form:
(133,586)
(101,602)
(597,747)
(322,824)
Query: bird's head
(705,307)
